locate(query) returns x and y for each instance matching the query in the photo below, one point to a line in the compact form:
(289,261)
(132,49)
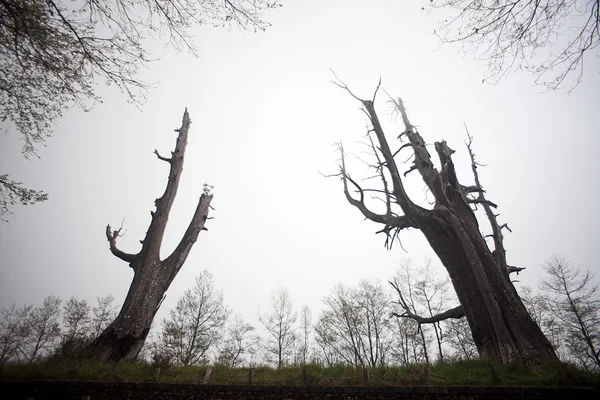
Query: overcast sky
(265,116)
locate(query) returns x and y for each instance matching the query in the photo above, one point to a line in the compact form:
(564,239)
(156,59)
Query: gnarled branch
(400,222)
(112,239)
(456,312)
(499,251)
(162,158)
(512,268)
(398,189)
(482,201)
(422,162)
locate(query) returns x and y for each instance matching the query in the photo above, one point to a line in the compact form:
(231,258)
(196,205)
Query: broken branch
(400,222)
(169,160)
(456,312)
(512,268)
(499,251)
(482,201)
(112,239)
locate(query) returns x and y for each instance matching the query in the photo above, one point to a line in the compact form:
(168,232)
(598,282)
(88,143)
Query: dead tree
(501,326)
(125,336)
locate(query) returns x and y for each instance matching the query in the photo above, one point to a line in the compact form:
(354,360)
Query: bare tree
(102,314)
(575,301)
(54,52)
(303,350)
(500,323)
(76,323)
(374,304)
(404,283)
(407,342)
(15,328)
(196,324)
(458,334)
(241,341)
(511,34)
(432,294)
(326,336)
(44,329)
(337,327)
(279,323)
(76,319)
(125,336)
(354,325)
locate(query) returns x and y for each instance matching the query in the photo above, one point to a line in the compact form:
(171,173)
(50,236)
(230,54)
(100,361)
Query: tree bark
(501,326)
(124,337)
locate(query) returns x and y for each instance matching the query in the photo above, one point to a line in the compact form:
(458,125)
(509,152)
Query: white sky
(265,116)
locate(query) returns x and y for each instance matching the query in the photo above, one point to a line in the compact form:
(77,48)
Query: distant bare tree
(44,329)
(303,350)
(196,324)
(15,328)
(575,301)
(458,335)
(407,342)
(280,325)
(511,34)
(337,328)
(326,336)
(241,341)
(404,283)
(374,303)
(102,314)
(354,326)
(432,294)
(82,323)
(125,336)
(76,319)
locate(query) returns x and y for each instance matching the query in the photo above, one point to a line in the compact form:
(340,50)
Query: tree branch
(398,189)
(112,239)
(499,251)
(154,236)
(482,201)
(388,203)
(179,255)
(456,312)
(422,162)
(400,222)
(512,268)
(162,158)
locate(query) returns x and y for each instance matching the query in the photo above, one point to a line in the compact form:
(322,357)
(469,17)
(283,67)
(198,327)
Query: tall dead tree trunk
(125,336)
(501,326)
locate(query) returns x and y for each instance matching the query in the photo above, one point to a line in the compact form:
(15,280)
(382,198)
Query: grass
(469,373)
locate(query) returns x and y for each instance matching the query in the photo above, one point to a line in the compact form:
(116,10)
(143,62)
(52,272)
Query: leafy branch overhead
(13,192)
(54,52)
(511,35)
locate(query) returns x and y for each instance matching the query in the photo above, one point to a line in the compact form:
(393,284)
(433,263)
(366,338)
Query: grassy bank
(477,373)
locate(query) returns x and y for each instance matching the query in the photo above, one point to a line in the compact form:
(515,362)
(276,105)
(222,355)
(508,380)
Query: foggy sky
(264,118)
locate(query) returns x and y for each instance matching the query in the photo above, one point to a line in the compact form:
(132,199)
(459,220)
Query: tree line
(361,326)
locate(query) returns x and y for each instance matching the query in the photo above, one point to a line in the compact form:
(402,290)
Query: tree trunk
(124,337)
(501,326)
